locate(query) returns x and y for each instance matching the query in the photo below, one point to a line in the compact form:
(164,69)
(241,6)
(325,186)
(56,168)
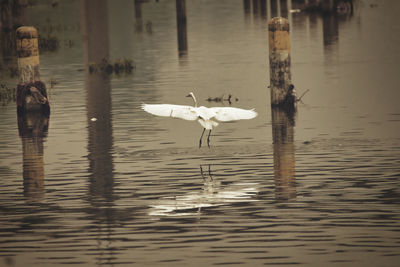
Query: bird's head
(292,91)
(193,97)
(190,95)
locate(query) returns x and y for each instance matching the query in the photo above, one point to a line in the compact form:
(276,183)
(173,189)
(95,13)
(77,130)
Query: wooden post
(28,54)
(282,91)
(31,92)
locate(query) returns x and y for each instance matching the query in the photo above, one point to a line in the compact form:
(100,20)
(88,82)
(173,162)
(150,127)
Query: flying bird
(207,117)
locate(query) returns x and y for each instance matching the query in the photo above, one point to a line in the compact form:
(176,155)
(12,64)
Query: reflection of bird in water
(205,116)
(214,193)
(209,172)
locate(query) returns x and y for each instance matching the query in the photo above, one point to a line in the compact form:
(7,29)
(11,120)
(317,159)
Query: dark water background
(133,189)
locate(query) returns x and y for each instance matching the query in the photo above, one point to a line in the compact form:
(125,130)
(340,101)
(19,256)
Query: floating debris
(222,99)
(120,66)
(93,119)
(299,98)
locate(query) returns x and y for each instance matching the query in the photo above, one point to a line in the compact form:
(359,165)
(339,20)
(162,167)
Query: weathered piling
(282,91)
(31,92)
(28,54)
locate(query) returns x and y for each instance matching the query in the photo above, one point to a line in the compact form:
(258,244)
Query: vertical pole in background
(181,26)
(282,91)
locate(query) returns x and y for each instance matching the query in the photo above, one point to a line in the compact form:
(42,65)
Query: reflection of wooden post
(284,8)
(246,7)
(274,8)
(98,100)
(12,13)
(263,9)
(138,15)
(282,93)
(32,129)
(330,30)
(284,159)
(328,6)
(256,7)
(181,26)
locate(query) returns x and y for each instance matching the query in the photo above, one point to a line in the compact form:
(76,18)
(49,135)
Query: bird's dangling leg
(201,137)
(208,138)
(201,172)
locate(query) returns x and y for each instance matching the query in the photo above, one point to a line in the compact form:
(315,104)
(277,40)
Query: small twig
(299,98)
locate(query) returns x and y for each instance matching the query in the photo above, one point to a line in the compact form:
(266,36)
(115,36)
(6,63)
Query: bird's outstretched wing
(174,111)
(233,114)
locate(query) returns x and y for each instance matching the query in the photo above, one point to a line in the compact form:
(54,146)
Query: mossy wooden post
(31,92)
(282,94)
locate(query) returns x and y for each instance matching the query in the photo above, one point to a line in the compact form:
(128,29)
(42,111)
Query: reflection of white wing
(232,114)
(175,111)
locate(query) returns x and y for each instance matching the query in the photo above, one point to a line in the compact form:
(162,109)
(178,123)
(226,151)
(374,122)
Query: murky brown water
(130,189)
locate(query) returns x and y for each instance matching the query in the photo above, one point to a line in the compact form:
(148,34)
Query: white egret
(205,116)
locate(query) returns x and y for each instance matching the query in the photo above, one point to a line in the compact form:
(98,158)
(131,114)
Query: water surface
(321,188)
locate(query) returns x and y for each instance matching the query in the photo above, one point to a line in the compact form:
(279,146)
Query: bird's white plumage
(174,111)
(196,113)
(232,114)
(205,116)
